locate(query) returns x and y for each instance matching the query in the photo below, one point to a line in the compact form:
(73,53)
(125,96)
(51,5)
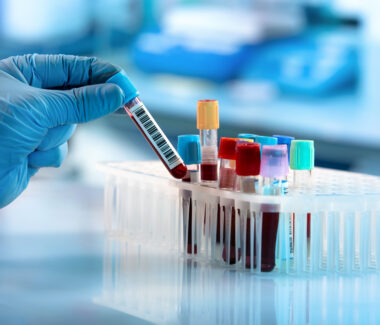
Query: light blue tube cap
(266,141)
(247,136)
(125,84)
(189,148)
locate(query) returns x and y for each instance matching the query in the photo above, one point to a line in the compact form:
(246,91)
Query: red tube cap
(227,148)
(248,159)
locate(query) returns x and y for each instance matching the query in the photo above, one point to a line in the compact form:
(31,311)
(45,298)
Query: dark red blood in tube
(233,258)
(268,240)
(209,172)
(191,249)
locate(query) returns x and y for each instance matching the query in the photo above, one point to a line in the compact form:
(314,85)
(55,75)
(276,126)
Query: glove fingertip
(115,95)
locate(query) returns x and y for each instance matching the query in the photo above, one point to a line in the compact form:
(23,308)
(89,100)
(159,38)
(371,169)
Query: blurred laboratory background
(306,68)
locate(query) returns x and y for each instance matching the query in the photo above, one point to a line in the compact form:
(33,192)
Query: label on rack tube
(155,135)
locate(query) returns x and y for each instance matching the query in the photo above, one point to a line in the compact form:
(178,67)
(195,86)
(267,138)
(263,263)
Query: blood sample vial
(148,126)
(156,138)
(208,124)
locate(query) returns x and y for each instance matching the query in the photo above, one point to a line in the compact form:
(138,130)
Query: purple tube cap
(274,161)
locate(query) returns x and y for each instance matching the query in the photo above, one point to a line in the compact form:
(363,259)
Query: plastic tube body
(209,148)
(227,177)
(302,179)
(271,215)
(227,174)
(156,138)
(192,174)
(248,184)
(189,226)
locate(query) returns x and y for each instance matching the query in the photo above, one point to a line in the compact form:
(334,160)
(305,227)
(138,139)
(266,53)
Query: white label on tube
(155,135)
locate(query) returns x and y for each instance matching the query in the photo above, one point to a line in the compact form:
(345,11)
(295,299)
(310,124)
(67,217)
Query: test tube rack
(332,227)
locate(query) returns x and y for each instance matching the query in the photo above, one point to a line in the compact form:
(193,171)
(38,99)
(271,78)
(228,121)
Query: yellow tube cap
(245,140)
(207,114)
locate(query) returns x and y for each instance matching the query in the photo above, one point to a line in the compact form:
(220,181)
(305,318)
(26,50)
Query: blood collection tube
(227,177)
(247,167)
(274,167)
(208,125)
(248,181)
(287,140)
(189,148)
(302,164)
(227,173)
(149,127)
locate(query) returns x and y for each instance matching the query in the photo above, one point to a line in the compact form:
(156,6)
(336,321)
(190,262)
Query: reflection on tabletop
(155,285)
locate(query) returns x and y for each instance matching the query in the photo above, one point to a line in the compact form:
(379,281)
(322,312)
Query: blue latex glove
(41,99)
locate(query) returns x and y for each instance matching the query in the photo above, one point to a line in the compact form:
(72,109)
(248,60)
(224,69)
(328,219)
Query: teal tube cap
(189,148)
(125,84)
(302,155)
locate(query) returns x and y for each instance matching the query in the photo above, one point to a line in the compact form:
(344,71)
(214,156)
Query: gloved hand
(41,99)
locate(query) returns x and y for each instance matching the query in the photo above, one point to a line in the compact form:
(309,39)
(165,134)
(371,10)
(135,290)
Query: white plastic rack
(332,227)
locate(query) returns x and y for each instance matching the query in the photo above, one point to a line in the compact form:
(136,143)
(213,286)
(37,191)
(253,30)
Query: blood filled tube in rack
(227,176)
(274,168)
(149,127)
(208,125)
(247,181)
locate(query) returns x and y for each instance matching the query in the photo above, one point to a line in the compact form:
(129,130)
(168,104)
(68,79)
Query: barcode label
(155,135)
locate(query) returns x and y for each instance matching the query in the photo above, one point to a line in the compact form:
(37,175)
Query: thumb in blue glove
(42,97)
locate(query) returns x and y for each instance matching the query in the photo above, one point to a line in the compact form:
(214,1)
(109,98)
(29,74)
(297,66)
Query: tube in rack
(227,156)
(149,127)
(227,176)
(248,181)
(302,162)
(208,125)
(302,165)
(273,169)
(189,148)
(284,139)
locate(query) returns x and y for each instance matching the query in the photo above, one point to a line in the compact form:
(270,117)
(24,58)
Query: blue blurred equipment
(211,41)
(41,99)
(305,65)
(162,53)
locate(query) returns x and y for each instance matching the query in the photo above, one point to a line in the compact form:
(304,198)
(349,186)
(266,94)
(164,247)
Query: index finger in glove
(58,71)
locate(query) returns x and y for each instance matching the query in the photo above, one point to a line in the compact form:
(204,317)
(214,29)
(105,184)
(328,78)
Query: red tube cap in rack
(227,148)
(248,159)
